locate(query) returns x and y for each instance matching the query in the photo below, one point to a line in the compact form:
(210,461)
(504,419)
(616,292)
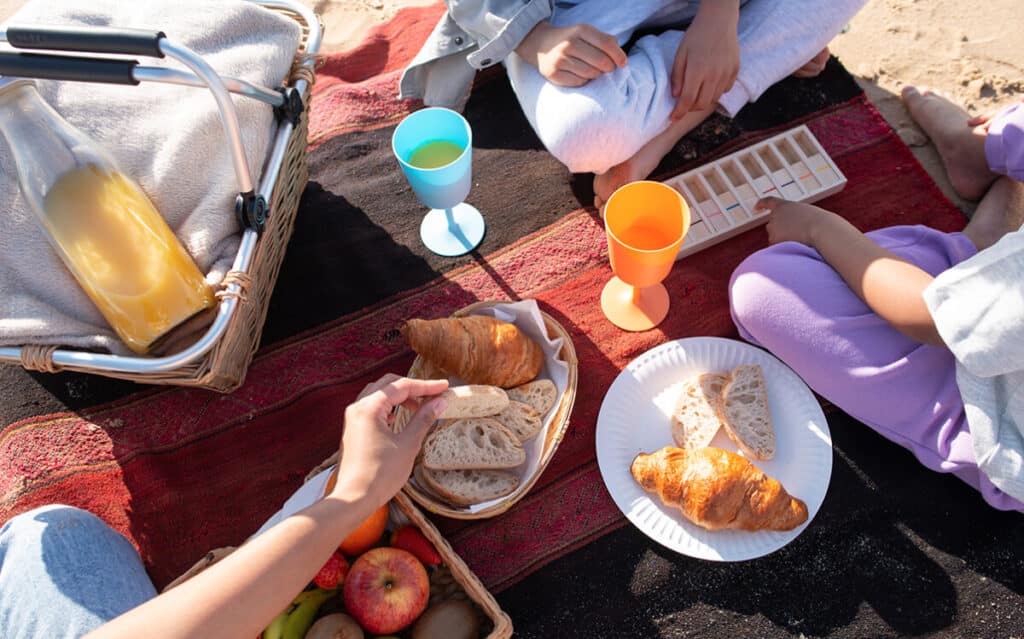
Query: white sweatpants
(594,127)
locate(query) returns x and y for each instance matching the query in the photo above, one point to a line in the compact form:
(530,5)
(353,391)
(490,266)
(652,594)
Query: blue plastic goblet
(451,227)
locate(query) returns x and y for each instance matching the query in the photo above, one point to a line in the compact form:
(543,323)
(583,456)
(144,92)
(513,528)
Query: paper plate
(635,418)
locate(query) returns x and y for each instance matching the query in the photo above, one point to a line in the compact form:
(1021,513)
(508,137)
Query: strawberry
(410,538)
(333,573)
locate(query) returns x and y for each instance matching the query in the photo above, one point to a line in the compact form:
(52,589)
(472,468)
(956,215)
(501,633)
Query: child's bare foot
(1001,211)
(961,147)
(646,159)
(814,66)
(635,168)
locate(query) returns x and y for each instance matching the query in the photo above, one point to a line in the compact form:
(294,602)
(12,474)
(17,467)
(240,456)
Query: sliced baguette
(468,487)
(745,413)
(521,419)
(475,400)
(472,443)
(420,474)
(695,421)
(541,394)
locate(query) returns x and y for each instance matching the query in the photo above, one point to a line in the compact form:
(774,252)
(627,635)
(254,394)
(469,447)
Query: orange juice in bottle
(105,229)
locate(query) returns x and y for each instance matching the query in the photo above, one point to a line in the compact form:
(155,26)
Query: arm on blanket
(889,285)
(241,595)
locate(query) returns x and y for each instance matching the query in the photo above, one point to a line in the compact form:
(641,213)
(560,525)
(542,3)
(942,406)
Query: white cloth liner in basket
(168,138)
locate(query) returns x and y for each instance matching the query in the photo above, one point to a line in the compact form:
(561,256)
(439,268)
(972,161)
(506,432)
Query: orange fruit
(332,481)
(367,534)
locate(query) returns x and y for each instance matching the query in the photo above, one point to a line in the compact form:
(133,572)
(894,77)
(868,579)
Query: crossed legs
(787,299)
(617,126)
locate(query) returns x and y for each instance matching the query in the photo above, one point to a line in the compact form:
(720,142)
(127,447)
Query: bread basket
(556,424)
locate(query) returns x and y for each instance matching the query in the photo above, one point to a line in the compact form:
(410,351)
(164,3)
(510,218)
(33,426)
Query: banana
(301,618)
(276,628)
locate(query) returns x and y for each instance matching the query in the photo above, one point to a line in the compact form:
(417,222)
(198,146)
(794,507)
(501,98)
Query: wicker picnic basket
(219,359)
(453,579)
(559,423)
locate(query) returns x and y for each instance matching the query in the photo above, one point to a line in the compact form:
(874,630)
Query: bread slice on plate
(521,420)
(541,394)
(472,443)
(474,400)
(695,420)
(745,412)
(468,487)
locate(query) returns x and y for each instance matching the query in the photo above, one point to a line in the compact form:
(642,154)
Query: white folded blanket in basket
(168,137)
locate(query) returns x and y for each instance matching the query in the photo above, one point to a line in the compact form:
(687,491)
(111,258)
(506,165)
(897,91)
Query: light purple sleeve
(1004,146)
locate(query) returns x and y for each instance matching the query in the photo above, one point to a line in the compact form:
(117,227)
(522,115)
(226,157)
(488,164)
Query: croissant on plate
(477,349)
(716,489)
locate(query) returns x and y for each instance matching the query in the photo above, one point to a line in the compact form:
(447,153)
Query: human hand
(374,460)
(985,120)
(707,60)
(792,221)
(571,56)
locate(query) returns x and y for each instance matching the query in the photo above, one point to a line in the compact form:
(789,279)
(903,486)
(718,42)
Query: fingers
(708,95)
(678,72)
(588,55)
(768,203)
(421,421)
(978,120)
(567,79)
(373,386)
(404,388)
(687,99)
(584,68)
(605,43)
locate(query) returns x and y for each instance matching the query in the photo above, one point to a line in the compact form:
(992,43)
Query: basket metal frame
(202,75)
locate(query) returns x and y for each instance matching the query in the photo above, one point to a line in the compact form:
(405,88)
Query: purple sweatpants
(788,300)
(1004,146)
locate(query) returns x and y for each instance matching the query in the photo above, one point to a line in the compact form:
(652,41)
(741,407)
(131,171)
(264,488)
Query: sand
(968,52)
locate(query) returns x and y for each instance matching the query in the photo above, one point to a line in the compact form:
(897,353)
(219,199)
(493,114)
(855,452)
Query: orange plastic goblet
(645,223)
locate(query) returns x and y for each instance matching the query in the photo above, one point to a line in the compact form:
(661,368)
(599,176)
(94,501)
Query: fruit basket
(556,421)
(219,357)
(450,581)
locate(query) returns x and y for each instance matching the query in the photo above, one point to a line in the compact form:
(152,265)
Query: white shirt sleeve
(978,308)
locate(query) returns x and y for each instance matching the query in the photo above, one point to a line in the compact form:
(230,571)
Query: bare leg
(647,158)
(961,147)
(1001,211)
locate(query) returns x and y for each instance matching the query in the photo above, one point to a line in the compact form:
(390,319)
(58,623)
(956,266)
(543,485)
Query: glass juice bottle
(100,222)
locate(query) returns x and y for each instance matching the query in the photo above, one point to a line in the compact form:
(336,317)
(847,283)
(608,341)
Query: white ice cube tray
(722,194)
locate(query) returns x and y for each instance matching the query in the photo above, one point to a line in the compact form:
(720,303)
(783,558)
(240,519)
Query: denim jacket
(472,35)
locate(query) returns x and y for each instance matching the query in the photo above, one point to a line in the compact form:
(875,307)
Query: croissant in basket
(477,349)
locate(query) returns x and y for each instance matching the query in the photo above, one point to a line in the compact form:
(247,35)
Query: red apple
(386,589)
